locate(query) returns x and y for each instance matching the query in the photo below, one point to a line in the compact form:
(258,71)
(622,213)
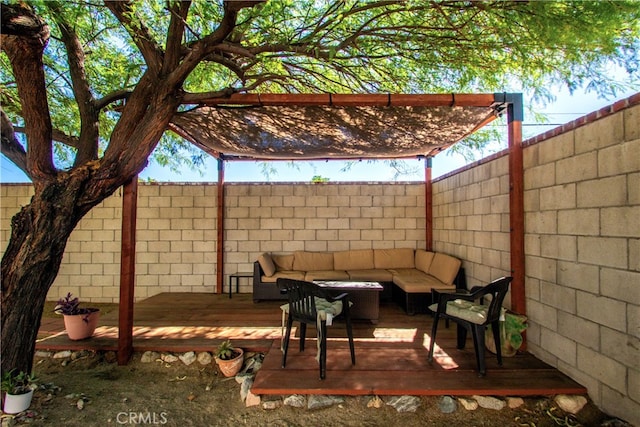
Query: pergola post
(516,201)
(127,270)
(220,229)
(428,202)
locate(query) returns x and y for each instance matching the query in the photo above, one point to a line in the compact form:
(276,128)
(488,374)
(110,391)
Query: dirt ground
(90,391)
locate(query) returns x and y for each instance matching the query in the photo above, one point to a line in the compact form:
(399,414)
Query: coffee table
(365,297)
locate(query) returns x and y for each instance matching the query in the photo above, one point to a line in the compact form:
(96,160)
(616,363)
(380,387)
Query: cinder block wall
(177,231)
(582,246)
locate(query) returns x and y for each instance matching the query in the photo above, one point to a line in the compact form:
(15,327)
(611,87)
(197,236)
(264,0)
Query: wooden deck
(391,355)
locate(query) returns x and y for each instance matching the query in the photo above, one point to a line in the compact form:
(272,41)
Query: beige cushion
(394,258)
(372,275)
(444,268)
(326,275)
(423,260)
(295,275)
(312,261)
(267,264)
(466,310)
(420,283)
(283,262)
(360,259)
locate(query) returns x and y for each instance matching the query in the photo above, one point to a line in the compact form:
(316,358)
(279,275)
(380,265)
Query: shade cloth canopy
(274,126)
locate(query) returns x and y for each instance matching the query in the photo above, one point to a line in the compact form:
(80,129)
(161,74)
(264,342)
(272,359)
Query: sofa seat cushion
(310,276)
(394,258)
(466,310)
(372,275)
(420,283)
(312,261)
(295,275)
(358,259)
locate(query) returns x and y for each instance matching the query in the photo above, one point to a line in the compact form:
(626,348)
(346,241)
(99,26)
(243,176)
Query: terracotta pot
(231,367)
(81,326)
(16,403)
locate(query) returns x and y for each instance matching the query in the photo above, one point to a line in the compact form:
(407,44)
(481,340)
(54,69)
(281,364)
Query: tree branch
(10,146)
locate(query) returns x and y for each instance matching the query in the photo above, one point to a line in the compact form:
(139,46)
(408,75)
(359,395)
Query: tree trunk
(31,262)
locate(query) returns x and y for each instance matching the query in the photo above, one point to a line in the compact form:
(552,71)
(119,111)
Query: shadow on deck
(391,355)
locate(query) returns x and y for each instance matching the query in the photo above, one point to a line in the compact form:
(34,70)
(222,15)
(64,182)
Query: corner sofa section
(406,273)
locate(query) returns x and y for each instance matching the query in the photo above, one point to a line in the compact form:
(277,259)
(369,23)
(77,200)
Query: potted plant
(80,323)
(229,358)
(18,389)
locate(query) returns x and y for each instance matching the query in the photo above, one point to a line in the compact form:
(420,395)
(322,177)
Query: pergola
(334,127)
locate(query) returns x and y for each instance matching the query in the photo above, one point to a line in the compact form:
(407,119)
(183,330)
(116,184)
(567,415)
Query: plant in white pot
(18,391)
(80,323)
(229,358)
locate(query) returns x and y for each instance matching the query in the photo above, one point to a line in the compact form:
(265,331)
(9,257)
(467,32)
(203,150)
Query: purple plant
(71,306)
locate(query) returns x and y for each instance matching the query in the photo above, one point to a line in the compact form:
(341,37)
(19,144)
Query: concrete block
(603,368)
(562,347)
(579,329)
(632,127)
(599,134)
(619,405)
(558,197)
(541,268)
(633,188)
(577,168)
(540,176)
(579,222)
(602,310)
(545,222)
(604,251)
(542,314)
(559,247)
(609,191)
(622,285)
(560,297)
(621,221)
(619,159)
(634,254)
(620,347)
(579,276)
(556,148)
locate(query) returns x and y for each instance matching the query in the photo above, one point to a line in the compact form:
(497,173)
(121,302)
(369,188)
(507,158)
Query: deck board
(391,356)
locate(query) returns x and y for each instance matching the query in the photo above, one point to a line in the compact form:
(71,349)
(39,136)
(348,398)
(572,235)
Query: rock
(447,405)
(80,354)
(245,388)
(8,422)
(168,358)
(295,400)
(188,358)
(149,356)
(489,402)
(570,404)
(204,358)
(271,404)
(404,403)
(110,356)
(375,402)
(252,400)
(468,404)
(515,402)
(318,401)
(253,363)
(42,353)
(62,354)
(240,378)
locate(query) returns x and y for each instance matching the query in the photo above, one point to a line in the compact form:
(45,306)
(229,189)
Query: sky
(566,108)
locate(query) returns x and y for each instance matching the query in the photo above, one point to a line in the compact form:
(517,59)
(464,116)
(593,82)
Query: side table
(237,277)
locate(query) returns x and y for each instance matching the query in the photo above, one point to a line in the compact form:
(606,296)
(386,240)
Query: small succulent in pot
(226,351)
(71,306)
(19,383)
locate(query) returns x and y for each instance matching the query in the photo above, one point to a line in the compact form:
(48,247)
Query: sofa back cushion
(312,261)
(360,259)
(283,262)
(267,265)
(423,260)
(444,267)
(394,258)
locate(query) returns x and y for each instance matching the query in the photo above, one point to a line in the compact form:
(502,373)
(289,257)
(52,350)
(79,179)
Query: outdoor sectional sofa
(407,274)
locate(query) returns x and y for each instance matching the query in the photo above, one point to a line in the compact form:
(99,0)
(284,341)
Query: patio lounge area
(391,355)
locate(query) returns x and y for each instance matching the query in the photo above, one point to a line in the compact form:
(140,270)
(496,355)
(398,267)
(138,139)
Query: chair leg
(350,335)
(323,349)
(432,342)
(478,342)
(303,335)
(285,344)
(495,328)
(461,334)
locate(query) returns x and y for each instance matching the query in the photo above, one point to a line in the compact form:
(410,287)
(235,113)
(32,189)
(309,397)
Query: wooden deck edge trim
(422,392)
